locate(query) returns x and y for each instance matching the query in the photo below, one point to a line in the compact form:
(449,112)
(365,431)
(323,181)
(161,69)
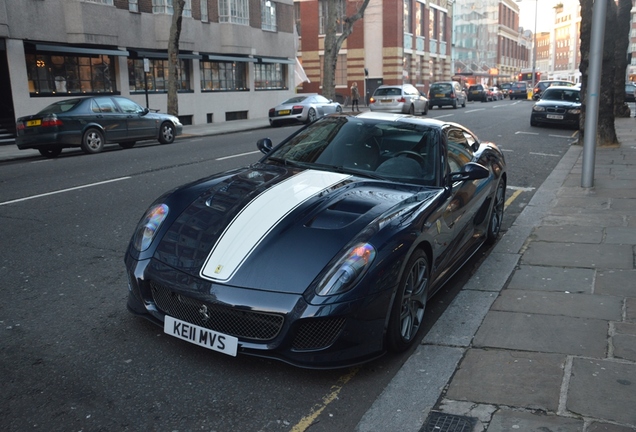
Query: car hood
(267,224)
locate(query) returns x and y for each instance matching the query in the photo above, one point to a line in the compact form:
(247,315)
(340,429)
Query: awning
(230,58)
(163,55)
(276,60)
(76,50)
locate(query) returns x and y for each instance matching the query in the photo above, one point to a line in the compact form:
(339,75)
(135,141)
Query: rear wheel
(455,104)
(166,134)
(50,153)
(497,213)
(411,110)
(311,115)
(93,141)
(407,312)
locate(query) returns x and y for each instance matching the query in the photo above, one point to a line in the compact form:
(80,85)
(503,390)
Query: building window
(204,11)
(297,17)
(106,2)
(270,76)
(234,11)
(51,74)
(223,76)
(166,7)
(408,26)
(133,5)
(157,77)
(268,15)
(323,13)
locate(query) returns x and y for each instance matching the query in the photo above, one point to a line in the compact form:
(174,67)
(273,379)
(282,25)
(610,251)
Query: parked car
(540,87)
(505,89)
(519,90)
(91,122)
(495,93)
(478,92)
(559,105)
(630,92)
(302,108)
(325,252)
(405,99)
(446,93)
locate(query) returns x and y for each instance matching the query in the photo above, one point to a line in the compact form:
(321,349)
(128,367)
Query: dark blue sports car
(322,254)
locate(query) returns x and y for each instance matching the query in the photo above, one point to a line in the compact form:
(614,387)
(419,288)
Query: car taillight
(297,107)
(20,126)
(50,121)
(452,96)
(371,100)
(401,100)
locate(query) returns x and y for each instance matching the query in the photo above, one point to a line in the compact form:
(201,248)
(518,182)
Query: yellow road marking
(317,409)
(512,198)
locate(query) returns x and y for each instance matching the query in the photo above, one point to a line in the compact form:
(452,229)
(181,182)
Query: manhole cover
(440,422)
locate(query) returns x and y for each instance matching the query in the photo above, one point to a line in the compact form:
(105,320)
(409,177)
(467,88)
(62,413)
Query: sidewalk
(543,336)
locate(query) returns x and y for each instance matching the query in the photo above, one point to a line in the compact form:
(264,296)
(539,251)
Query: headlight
(575,111)
(148,226)
(347,271)
(538,108)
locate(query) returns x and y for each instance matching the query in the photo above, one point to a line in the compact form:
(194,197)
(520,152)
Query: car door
(466,197)
(140,125)
(324,105)
(108,115)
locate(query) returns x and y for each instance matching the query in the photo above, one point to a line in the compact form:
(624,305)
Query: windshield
(561,95)
(395,150)
(390,91)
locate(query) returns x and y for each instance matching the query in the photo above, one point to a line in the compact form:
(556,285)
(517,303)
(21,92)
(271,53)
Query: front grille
(555,110)
(317,334)
(224,319)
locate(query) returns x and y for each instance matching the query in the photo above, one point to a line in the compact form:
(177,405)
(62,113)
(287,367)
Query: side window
(129,106)
(105,104)
(458,148)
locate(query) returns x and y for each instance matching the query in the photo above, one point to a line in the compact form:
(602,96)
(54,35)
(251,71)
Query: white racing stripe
(259,217)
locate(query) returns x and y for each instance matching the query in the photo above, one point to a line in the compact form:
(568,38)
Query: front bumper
(267,324)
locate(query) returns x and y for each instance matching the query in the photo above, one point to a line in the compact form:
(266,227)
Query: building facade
(566,55)
(397,41)
(236,57)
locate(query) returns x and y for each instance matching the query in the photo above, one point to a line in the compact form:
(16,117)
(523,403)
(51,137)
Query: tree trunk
(173,57)
(333,43)
(623,26)
(605,132)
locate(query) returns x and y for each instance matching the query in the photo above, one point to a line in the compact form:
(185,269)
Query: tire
(454,104)
(411,110)
(425,109)
(127,144)
(166,133)
(50,153)
(407,311)
(311,115)
(464,104)
(496,214)
(92,141)
(339,110)
(533,123)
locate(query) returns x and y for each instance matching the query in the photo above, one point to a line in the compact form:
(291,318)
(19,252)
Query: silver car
(403,99)
(304,108)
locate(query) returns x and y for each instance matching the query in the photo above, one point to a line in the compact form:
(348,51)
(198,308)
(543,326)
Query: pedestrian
(355,96)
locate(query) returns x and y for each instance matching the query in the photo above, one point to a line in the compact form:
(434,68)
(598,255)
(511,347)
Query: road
(73,358)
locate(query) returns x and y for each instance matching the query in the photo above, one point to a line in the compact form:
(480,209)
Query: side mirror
(145,111)
(470,171)
(264,145)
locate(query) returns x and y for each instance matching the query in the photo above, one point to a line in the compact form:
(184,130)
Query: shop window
(51,74)
(157,77)
(270,76)
(223,76)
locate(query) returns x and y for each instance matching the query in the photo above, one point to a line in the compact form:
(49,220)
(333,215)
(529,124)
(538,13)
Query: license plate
(201,336)
(439,95)
(30,123)
(284,112)
(555,117)
(475,91)
(386,100)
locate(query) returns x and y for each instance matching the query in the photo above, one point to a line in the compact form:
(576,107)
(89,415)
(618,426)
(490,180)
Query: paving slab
(493,273)
(569,233)
(513,378)
(620,235)
(630,309)
(626,328)
(506,420)
(586,219)
(625,348)
(543,333)
(616,282)
(559,279)
(554,303)
(608,427)
(603,390)
(579,255)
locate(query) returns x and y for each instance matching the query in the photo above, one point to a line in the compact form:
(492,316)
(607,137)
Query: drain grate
(441,422)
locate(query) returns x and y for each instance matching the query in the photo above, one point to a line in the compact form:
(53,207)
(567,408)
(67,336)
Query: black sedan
(559,105)
(324,253)
(91,122)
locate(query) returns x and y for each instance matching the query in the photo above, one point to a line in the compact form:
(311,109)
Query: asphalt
(543,336)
